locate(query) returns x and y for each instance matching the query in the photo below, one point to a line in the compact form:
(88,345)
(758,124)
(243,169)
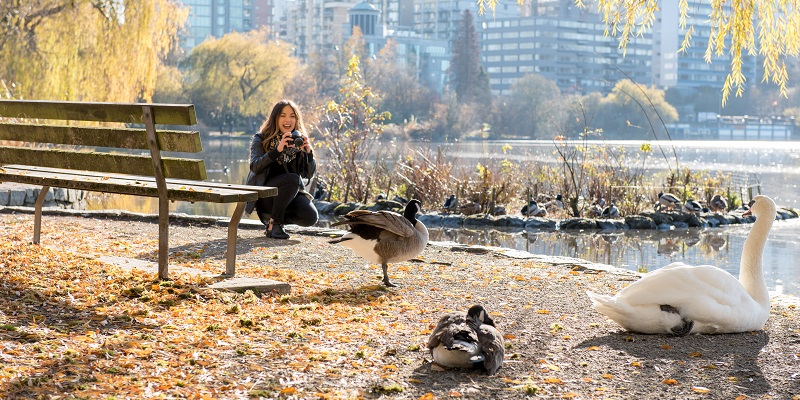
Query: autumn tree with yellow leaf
(239,74)
(90,50)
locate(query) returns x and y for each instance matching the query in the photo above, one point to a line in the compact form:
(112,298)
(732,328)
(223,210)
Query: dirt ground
(103,332)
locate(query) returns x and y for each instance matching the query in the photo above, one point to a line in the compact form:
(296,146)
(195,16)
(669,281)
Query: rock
(443,220)
(509,220)
(478,220)
(343,209)
(612,224)
(696,221)
(579,223)
(533,223)
(640,222)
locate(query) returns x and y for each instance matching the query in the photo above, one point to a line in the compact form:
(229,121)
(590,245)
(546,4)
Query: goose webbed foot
(386,280)
(686,324)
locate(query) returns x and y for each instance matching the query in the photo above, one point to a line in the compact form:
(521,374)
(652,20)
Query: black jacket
(262,161)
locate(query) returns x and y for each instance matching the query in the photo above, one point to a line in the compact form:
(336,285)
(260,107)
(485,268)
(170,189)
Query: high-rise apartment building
(564,44)
(689,69)
(214,18)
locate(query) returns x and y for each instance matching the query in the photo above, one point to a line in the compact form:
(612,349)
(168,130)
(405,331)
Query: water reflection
(647,250)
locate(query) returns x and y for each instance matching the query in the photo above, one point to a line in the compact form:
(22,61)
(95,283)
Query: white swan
(680,299)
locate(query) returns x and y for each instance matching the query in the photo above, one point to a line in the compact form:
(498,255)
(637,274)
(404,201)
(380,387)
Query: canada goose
(384,237)
(680,299)
(533,210)
(467,340)
(668,200)
(719,204)
(450,204)
(692,207)
(611,211)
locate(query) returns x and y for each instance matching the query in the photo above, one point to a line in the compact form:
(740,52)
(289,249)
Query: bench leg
(163,238)
(37,214)
(233,226)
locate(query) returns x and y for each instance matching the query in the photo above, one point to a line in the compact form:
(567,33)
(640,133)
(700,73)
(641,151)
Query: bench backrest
(68,144)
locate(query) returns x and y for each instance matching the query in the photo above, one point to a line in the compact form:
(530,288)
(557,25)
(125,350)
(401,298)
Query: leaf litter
(75,327)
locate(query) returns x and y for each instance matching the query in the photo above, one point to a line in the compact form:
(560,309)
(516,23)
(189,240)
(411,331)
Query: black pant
(289,206)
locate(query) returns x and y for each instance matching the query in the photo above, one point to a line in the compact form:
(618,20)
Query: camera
(298,138)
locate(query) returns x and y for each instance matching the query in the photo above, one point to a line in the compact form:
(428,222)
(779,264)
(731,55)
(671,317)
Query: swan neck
(751,274)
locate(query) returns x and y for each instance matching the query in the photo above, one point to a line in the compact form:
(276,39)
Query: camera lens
(298,141)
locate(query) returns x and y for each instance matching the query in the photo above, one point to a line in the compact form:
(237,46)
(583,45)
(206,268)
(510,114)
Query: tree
(399,89)
(531,108)
(349,128)
(734,26)
(466,74)
(99,50)
(631,111)
(239,74)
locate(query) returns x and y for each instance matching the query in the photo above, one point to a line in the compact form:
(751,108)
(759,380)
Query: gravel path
(557,346)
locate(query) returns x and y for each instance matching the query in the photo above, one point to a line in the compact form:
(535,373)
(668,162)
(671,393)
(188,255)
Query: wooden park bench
(85,146)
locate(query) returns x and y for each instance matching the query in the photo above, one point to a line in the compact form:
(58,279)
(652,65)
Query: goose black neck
(411,211)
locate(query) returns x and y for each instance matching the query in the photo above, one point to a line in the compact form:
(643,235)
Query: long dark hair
(270,127)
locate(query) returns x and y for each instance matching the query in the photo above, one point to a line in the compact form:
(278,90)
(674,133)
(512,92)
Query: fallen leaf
(427,396)
(669,382)
(594,348)
(695,354)
(666,346)
(608,376)
(288,391)
(700,389)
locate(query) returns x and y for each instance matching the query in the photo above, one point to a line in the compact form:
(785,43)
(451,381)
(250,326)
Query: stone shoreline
(15,194)
(665,220)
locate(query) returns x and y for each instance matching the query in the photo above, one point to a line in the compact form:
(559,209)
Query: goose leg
(386,281)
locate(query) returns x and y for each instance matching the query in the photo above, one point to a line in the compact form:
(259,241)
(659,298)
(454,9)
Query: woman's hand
(286,141)
(306,147)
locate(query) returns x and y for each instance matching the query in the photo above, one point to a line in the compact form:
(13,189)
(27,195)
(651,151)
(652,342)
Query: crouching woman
(281,156)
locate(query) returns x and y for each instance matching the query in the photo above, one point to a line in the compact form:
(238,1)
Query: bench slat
(169,114)
(263,191)
(124,138)
(182,168)
(127,184)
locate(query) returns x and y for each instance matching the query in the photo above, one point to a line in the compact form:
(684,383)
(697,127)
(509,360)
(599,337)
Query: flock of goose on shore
(678,299)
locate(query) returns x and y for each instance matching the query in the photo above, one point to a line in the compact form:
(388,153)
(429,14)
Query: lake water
(775,165)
